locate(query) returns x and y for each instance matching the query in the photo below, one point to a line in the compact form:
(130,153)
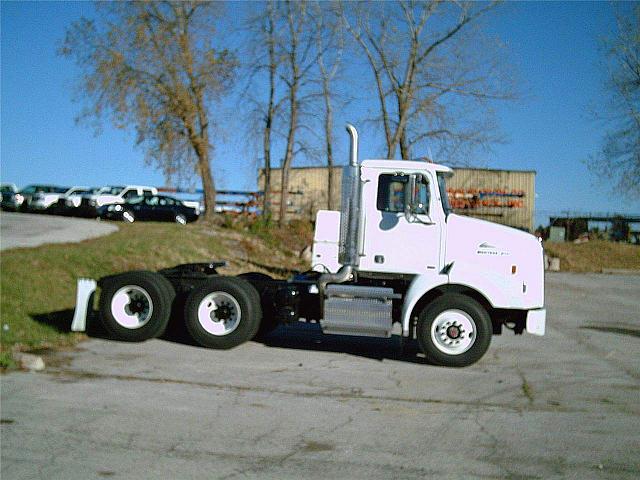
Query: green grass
(38,284)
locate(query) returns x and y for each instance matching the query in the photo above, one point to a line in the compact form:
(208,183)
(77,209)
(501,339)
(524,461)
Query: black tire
(268,322)
(456,320)
(148,288)
(237,323)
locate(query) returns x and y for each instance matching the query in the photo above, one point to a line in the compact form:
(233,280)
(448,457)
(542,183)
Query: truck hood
(510,258)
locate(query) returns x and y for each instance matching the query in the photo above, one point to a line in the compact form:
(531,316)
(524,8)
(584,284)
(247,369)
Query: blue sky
(553,47)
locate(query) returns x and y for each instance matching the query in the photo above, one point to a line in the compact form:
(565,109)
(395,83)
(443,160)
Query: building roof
(415,164)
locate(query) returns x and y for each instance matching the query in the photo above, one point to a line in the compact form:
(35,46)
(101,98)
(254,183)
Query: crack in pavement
(353,394)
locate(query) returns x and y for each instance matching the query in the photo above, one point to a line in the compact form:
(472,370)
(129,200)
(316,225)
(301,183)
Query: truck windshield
(442,186)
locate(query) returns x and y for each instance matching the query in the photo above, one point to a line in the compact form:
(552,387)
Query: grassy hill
(595,255)
(38,284)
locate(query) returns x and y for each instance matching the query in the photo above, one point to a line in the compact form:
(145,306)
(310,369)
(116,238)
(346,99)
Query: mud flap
(86,288)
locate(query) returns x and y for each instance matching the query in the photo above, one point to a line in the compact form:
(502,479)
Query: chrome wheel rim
(219,313)
(453,332)
(131,307)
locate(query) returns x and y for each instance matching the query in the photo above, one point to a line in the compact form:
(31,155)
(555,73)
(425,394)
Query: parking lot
(31,230)
(303,405)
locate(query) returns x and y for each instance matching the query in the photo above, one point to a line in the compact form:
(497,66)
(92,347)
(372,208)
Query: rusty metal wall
(308,190)
(501,196)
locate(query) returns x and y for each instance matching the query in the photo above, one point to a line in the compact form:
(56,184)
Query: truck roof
(406,164)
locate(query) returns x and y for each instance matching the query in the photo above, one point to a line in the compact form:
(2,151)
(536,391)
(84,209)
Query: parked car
(71,199)
(8,191)
(50,201)
(159,208)
(111,196)
(32,197)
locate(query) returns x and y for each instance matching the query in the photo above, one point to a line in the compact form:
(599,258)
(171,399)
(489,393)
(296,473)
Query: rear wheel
(223,312)
(454,330)
(135,306)
(128,216)
(268,323)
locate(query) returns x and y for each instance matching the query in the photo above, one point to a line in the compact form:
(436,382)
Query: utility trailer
(395,253)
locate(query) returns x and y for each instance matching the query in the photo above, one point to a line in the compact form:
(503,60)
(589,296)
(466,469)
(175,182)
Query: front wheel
(223,312)
(454,330)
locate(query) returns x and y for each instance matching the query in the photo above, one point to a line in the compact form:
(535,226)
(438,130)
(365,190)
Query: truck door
(393,243)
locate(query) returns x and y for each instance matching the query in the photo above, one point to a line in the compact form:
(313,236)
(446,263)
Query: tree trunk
(266,203)
(328,126)
(266,200)
(405,147)
(288,158)
(208,186)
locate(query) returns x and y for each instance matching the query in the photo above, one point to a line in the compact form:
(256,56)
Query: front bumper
(536,321)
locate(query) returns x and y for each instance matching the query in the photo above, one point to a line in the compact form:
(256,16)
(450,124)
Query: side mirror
(410,198)
(413,205)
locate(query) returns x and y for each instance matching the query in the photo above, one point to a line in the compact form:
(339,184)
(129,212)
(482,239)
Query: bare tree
(432,82)
(263,68)
(330,46)
(620,152)
(297,49)
(152,66)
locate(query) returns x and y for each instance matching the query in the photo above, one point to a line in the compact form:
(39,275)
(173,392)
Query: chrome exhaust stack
(349,218)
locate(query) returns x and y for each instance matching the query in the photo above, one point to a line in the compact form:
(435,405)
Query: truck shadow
(299,336)
(61,320)
(309,336)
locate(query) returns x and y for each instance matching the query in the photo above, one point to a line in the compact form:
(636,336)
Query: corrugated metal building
(501,196)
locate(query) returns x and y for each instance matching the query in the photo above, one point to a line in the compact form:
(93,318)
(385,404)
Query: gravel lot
(31,230)
(307,406)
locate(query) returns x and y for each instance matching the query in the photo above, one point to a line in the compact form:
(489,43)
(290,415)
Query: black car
(159,208)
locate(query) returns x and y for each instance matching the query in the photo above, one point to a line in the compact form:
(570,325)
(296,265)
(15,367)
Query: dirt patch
(312,446)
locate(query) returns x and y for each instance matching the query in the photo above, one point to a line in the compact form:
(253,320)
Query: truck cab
(408,231)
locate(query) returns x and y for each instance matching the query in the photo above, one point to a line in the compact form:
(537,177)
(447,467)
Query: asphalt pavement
(31,230)
(303,405)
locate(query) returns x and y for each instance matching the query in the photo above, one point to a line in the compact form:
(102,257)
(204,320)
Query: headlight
(93,203)
(117,208)
(69,203)
(19,198)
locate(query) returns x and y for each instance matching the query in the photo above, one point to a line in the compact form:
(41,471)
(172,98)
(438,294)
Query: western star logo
(487,249)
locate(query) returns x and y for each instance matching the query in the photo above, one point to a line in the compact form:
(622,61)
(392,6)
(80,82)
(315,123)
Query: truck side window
(130,194)
(391,192)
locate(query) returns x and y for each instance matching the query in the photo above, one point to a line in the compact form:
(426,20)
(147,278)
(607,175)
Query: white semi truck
(394,254)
